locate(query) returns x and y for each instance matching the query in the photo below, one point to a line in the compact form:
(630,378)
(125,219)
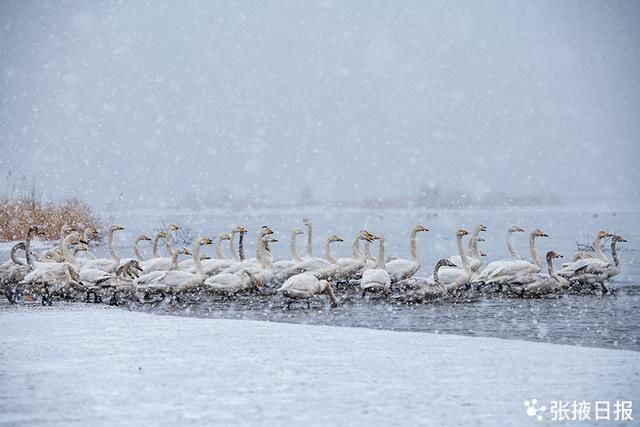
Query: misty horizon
(146,103)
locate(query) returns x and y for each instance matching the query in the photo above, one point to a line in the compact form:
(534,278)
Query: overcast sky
(152,99)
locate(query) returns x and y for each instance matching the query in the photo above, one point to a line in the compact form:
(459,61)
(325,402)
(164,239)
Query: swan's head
(334,238)
(116,227)
(539,233)
(420,228)
(480,227)
(144,237)
(553,255)
(462,232)
(173,227)
(306,221)
(204,257)
(265,229)
(66,229)
(133,265)
(161,234)
(296,232)
(445,263)
(618,238)
(34,229)
(82,247)
(224,236)
(90,231)
(515,229)
(204,241)
(239,229)
(604,234)
(482,254)
(184,251)
(268,239)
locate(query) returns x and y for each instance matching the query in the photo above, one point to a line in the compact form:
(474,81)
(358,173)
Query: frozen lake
(95,365)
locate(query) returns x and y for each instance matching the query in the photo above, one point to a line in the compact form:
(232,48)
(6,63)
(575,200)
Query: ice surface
(77,364)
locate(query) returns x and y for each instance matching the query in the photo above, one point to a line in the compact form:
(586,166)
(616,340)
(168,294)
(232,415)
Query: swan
(307,223)
(230,283)
(152,276)
(252,262)
(119,284)
(159,263)
(156,241)
(216,265)
(137,255)
(55,254)
(305,286)
(322,268)
(33,231)
(593,270)
(42,267)
(543,284)
(376,279)
(425,288)
(400,269)
(475,259)
(263,271)
(597,246)
(14,273)
(232,249)
(90,233)
(106,264)
(453,278)
(348,267)
(498,265)
(516,270)
(46,283)
(180,281)
(296,259)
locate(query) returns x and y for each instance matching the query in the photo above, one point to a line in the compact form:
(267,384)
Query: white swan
(55,254)
(160,263)
(156,240)
(348,267)
(295,258)
(400,269)
(474,256)
(230,283)
(593,270)
(216,265)
(152,276)
(453,278)
(181,281)
(597,246)
(51,282)
(305,286)
(106,264)
(249,263)
(517,270)
(425,288)
(322,268)
(137,255)
(376,279)
(494,266)
(543,284)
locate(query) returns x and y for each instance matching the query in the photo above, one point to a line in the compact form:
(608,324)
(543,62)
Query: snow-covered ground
(95,365)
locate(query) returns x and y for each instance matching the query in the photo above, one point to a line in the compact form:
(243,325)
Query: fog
(150,102)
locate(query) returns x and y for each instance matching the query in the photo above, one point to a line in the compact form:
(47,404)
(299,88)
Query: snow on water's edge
(79,364)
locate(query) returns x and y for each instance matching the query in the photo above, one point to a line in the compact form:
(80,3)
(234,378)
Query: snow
(82,364)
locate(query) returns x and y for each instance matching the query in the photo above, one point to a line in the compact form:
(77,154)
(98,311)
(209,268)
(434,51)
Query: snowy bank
(104,366)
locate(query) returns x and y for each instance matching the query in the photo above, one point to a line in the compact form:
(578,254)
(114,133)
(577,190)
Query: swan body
(425,288)
(544,284)
(593,270)
(597,246)
(180,281)
(474,256)
(348,267)
(495,266)
(216,265)
(106,264)
(376,279)
(454,277)
(322,268)
(400,269)
(305,286)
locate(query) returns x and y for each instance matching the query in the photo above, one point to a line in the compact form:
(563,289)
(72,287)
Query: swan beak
(145,237)
(520,229)
(273,240)
(480,239)
(545,235)
(84,242)
(622,239)
(339,239)
(483,227)
(560,256)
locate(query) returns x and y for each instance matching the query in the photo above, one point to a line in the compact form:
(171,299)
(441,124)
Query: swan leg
(605,290)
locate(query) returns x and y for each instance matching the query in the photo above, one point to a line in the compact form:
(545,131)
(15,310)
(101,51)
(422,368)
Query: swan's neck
(534,252)
(14,253)
(327,253)
(27,246)
(355,248)
(597,245)
(174,260)
(264,256)
(512,250)
(241,247)
(232,249)
(219,253)
(463,256)
(367,251)
(472,247)
(381,264)
(136,249)
(156,240)
(614,253)
(196,257)
(66,253)
(438,266)
(294,250)
(112,249)
(413,246)
(309,240)
(168,242)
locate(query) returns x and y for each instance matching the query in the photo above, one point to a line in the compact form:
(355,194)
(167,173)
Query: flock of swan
(71,272)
